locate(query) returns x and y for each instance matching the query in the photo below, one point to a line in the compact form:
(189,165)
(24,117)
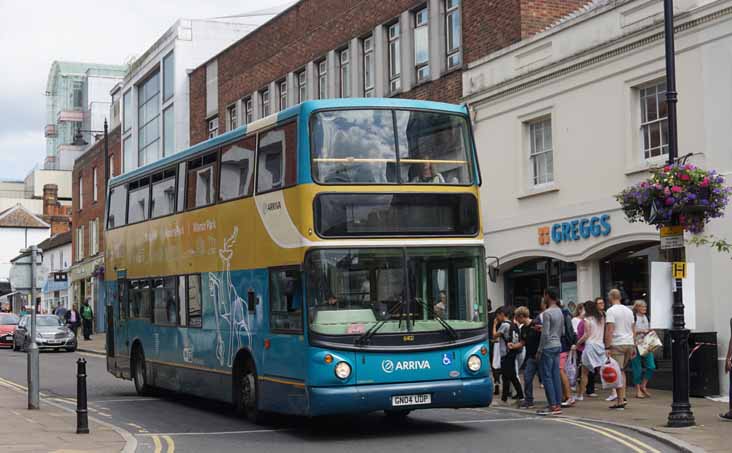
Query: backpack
(569,337)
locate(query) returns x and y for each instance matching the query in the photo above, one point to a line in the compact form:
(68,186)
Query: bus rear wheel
(139,373)
(246,395)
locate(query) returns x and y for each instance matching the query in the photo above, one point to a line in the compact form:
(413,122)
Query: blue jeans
(550,376)
(530,371)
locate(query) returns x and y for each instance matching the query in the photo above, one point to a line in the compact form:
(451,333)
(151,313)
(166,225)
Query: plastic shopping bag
(611,374)
(649,343)
(570,367)
(496,364)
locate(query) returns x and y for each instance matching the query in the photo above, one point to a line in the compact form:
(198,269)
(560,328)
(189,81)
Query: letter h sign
(544,236)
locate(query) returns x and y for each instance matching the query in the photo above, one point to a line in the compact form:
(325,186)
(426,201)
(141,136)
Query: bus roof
(304,110)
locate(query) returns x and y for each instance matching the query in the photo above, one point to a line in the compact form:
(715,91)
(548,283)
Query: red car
(8,323)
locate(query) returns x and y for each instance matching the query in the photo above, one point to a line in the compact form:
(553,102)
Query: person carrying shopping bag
(642,328)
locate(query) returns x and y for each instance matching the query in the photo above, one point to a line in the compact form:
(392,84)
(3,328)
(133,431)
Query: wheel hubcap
(248,391)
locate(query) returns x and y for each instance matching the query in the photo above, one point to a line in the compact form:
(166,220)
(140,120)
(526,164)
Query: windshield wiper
(447,327)
(366,336)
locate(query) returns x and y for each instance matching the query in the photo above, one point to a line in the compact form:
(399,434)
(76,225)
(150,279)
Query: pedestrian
(87,318)
(579,314)
(508,337)
(530,336)
(728,369)
(568,345)
(600,305)
(593,347)
(550,345)
(494,344)
(60,311)
(619,339)
(642,327)
(73,319)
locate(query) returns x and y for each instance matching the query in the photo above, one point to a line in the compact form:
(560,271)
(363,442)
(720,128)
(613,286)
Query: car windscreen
(9,320)
(48,321)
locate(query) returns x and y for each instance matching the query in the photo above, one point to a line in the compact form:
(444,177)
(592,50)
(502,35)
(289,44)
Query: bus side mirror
(493,273)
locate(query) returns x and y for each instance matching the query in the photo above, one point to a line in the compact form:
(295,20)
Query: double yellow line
(169,444)
(634,444)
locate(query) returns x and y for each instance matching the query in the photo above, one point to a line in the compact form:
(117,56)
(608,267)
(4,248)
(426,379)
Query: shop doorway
(629,270)
(525,284)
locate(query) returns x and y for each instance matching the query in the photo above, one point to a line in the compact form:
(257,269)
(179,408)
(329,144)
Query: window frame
(301,80)
(81,192)
(149,198)
(248,109)
(255,135)
(344,72)
(215,177)
(263,104)
(139,86)
(419,66)
(211,131)
(282,95)
(322,77)
(95,186)
(393,44)
(644,125)
(368,54)
(109,206)
(454,10)
(284,159)
(170,56)
(533,154)
(127,122)
(232,117)
(200,298)
(174,169)
(270,273)
(155,321)
(166,139)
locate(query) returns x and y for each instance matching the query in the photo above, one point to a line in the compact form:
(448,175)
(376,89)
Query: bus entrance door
(122,343)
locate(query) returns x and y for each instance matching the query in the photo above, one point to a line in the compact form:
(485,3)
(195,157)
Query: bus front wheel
(139,373)
(246,397)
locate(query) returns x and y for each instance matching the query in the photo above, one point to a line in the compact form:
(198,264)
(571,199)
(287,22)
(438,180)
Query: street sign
(672,237)
(20,273)
(678,270)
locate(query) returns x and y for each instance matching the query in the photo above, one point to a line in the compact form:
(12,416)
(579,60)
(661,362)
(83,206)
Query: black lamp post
(680,415)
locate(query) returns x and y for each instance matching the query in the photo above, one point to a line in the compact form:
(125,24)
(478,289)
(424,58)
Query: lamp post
(680,415)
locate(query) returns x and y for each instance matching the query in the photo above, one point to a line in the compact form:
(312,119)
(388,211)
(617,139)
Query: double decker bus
(327,259)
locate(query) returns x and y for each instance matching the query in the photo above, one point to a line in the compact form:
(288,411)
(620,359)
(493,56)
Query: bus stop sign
(20,273)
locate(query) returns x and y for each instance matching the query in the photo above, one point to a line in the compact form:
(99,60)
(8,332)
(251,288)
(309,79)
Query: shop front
(582,257)
(84,286)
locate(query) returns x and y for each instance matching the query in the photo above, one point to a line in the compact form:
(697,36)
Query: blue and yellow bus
(327,259)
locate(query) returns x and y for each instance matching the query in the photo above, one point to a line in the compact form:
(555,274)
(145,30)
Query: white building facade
(56,262)
(155,93)
(574,115)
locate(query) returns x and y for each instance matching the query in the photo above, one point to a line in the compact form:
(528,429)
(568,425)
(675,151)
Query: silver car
(51,333)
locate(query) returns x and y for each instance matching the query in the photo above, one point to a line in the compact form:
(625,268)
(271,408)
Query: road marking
(158,445)
(603,433)
(217,433)
(125,400)
(171,444)
(491,420)
(624,436)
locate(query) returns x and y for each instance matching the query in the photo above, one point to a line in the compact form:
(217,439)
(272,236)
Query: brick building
(89,194)
(355,48)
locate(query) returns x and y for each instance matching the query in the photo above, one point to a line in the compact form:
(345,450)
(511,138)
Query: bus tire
(246,394)
(139,373)
(396,416)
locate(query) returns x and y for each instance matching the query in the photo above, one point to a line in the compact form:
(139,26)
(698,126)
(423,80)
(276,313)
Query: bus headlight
(343,370)
(474,363)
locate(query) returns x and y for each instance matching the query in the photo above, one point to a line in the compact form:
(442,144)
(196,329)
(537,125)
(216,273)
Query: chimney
(50,199)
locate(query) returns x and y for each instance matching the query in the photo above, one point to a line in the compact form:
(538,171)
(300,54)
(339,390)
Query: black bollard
(82,418)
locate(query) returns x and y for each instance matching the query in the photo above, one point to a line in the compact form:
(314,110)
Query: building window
(322,79)
(233,117)
(302,86)
(128,155)
(213,127)
(264,103)
(148,115)
(368,67)
(248,110)
(96,185)
(344,68)
(395,58)
(212,87)
(168,131)
(282,88)
(654,119)
(541,158)
(127,113)
(421,44)
(453,32)
(77,95)
(80,243)
(168,76)
(81,193)
(93,238)
(111,166)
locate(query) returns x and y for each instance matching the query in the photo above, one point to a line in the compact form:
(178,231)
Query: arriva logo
(389,367)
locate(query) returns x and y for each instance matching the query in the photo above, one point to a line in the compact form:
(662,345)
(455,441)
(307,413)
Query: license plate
(55,341)
(8,337)
(411,400)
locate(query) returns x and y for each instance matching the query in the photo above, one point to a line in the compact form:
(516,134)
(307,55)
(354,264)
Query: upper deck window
(276,161)
(201,181)
(163,193)
(117,206)
(138,205)
(390,147)
(237,168)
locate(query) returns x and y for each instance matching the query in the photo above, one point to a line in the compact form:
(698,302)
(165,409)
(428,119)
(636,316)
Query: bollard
(82,418)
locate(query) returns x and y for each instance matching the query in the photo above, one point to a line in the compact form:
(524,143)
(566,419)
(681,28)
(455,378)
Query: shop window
(654,119)
(201,181)
(285,300)
(139,201)
(237,169)
(541,151)
(277,155)
(163,193)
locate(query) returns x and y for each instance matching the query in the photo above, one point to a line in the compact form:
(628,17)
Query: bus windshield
(350,290)
(391,147)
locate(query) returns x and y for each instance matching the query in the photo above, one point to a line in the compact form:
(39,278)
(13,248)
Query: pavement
(97,344)
(51,428)
(119,419)
(650,415)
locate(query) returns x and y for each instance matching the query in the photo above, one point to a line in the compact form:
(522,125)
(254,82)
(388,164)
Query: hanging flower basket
(696,196)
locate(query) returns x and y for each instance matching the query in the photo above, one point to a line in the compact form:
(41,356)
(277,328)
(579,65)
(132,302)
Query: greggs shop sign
(575,230)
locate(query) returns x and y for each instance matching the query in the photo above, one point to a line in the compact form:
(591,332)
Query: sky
(34,33)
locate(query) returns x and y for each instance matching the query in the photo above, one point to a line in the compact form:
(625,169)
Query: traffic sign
(672,237)
(678,270)
(20,273)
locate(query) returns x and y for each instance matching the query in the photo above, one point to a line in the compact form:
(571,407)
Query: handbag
(570,367)
(649,343)
(496,363)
